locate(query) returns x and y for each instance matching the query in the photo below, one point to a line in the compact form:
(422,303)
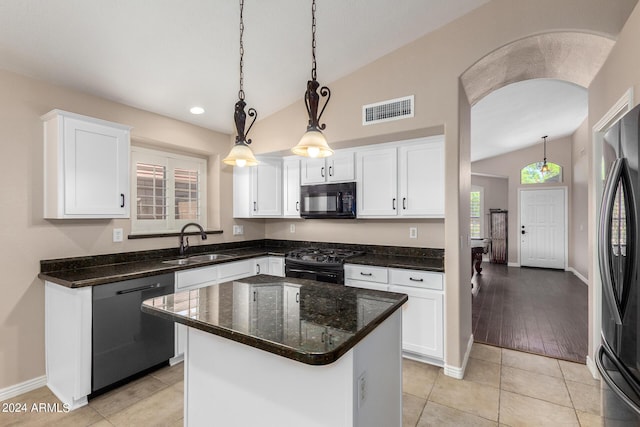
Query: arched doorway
(568,56)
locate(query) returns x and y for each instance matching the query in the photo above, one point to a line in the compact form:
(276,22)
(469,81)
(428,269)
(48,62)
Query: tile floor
(501,388)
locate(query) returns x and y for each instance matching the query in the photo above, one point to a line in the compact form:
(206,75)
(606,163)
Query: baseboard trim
(458,372)
(23,387)
(578,275)
(513,264)
(591,365)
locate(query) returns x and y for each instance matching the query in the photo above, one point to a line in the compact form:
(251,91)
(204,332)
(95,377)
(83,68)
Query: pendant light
(313,142)
(544,168)
(241,155)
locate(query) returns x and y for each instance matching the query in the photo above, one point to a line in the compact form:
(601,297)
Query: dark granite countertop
(320,322)
(101,274)
(101,269)
(397,261)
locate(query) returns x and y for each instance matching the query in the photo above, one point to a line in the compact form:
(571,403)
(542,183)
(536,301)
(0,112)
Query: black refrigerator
(618,358)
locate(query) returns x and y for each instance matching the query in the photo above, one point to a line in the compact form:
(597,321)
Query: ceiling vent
(385,111)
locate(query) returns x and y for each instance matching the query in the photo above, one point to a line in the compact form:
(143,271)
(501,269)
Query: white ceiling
(166,56)
(518,115)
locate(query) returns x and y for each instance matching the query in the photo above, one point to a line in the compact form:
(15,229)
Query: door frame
(565,194)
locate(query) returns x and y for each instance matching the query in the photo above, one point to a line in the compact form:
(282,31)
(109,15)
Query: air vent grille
(393,109)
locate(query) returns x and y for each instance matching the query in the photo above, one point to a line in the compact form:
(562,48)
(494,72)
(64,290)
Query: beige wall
(510,164)
(578,218)
(496,195)
(429,68)
(27,237)
(620,72)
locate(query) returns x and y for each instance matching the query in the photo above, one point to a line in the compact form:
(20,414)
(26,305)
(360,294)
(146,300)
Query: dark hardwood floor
(529,309)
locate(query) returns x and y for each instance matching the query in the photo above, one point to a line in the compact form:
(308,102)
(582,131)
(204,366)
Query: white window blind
(476,202)
(169,191)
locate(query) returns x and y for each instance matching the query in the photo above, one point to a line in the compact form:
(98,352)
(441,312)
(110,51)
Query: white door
(542,228)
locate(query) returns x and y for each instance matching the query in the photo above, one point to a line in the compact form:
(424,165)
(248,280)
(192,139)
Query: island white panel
(231,384)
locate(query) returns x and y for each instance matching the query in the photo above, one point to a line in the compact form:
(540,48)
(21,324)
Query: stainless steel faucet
(184,241)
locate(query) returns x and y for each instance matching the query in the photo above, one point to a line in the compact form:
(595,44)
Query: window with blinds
(475,225)
(169,191)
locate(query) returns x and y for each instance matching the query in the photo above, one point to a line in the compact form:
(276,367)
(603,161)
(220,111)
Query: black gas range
(321,264)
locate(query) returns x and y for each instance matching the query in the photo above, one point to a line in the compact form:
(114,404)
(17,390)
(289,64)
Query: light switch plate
(238,230)
(292,228)
(118,234)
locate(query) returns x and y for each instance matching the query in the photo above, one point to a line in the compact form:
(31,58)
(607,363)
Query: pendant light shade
(241,155)
(313,142)
(545,167)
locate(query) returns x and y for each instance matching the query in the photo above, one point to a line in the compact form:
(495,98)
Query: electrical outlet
(238,230)
(362,389)
(118,234)
(292,228)
(413,232)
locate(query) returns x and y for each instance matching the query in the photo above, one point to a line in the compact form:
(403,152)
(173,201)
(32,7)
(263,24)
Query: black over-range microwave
(328,200)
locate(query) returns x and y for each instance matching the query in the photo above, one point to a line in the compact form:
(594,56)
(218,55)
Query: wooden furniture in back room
(499,241)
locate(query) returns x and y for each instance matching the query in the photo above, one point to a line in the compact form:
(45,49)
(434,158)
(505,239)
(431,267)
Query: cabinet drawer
(417,278)
(366,273)
(196,276)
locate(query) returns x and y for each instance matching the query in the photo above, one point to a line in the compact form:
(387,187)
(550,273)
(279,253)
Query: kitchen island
(268,350)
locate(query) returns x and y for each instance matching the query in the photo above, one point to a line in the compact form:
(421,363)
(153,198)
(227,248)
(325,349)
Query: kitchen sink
(208,257)
(195,259)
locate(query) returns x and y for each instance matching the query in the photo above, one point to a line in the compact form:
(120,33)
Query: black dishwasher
(127,341)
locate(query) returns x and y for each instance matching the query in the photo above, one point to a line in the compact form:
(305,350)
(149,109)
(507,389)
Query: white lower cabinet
(273,265)
(187,280)
(422,314)
(422,322)
(196,278)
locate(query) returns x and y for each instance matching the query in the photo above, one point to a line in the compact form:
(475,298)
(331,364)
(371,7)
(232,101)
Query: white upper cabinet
(421,178)
(377,183)
(291,188)
(336,168)
(86,167)
(404,179)
(257,190)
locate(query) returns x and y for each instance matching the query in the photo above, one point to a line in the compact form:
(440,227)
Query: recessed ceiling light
(197,110)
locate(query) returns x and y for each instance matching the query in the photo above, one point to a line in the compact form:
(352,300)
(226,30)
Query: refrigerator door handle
(611,383)
(619,176)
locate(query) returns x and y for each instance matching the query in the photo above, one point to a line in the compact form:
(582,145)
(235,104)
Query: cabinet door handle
(297,206)
(297,297)
(330,170)
(254,296)
(255,207)
(322,171)
(122,200)
(366,274)
(404,203)
(322,337)
(393,203)
(416,280)
(257,268)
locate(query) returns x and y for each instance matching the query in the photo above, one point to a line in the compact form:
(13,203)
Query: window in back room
(169,191)
(476,226)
